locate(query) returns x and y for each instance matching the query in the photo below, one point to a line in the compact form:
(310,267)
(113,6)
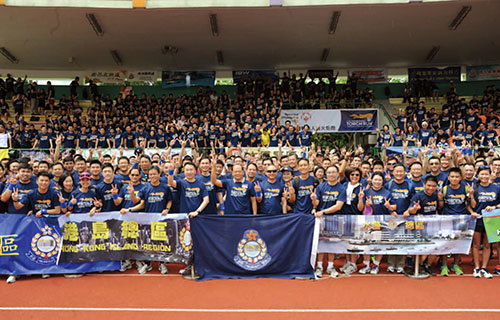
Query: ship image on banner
(252,251)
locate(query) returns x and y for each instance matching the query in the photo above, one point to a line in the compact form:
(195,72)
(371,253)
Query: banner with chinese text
(369,76)
(436,75)
(146,76)
(106,77)
(115,236)
(386,234)
(30,245)
(334,120)
(479,73)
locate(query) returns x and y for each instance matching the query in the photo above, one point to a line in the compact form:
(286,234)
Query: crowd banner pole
(416,274)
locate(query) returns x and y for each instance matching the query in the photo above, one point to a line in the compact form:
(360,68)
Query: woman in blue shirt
(485,198)
(411,136)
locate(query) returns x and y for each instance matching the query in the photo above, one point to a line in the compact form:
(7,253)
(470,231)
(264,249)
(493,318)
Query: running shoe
(11,279)
(365,269)
(351,269)
(342,269)
(486,274)
(45,276)
(375,269)
(445,271)
(145,268)
(400,270)
(457,270)
(163,268)
(429,270)
(126,265)
(390,269)
(319,272)
(497,269)
(332,272)
(477,273)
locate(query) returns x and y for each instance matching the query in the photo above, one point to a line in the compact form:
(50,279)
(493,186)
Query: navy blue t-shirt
(191,194)
(328,195)
(125,195)
(23,190)
(271,197)
(35,201)
(303,202)
(455,200)
(238,196)
(212,190)
(103,192)
(378,200)
(400,195)
(156,197)
(84,201)
(428,204)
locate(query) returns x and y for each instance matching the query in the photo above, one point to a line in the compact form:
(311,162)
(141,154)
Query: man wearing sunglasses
(435,171)
(272,199)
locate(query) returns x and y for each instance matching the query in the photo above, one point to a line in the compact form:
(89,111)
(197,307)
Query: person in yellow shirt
(265,135)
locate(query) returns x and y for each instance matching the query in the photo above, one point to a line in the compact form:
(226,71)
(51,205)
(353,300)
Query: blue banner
(30,245)
(386,234)
(238,246)
(239,75)
(436,75)
(358,120)
(174,79)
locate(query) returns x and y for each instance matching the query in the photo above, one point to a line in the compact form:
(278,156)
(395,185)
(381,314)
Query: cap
(229,163)
(287,169)
(85,175)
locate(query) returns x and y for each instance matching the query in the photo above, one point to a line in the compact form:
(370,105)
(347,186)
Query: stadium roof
(396,35)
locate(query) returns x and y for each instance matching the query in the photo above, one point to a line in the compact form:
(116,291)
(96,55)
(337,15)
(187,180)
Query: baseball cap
(85,175)
(287,169)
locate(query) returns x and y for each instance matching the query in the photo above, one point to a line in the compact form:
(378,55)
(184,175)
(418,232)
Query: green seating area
(438,106)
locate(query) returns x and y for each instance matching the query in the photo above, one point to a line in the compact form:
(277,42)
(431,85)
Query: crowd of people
(305,180)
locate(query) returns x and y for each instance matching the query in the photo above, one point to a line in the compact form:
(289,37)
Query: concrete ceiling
(251,38)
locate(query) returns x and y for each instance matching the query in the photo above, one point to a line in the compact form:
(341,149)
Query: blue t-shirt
(121,178)
(156,197)
(328,195)
(378,200)
(442,178)
(35,201)
(485,196)
(305,138)
(125,195)
(191,194)
(103,192)
(400,194)
(23,190)
(238,196)
(303,202)
(212,190)
(271,197)
(69,139)
(84,201)
(351,208)
(425,136)
(428,204)
(455,200)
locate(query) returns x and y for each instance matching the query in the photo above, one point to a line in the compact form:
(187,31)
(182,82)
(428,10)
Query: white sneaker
(375,269)
(351,269)
(342,269)
(484,272)
(145,268)
(332,272)
(73,275)
(390,269)
(45,276)
(400,270)
(319,272)
(163,268)
(11,279)
(126,265)
(365,269)
(477,273)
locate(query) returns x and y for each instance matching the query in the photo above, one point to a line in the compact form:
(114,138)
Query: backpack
(296,182)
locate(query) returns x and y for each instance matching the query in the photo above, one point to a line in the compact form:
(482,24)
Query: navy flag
(240,246)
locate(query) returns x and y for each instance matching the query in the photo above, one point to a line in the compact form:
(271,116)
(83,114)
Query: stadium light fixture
(220,58)
(432,53)
(9,56)
(95,24)
(213,25)
(334,22)
(324,55)
(116,57)
(460,17)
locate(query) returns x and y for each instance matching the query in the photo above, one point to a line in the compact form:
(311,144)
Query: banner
(366,76)
(106,77)
(240,246)
(436,75)
(115,236)
(478,73)
(385,234)
(491,221)
(174,79)
(30,245)
(334,120)
(254,74)
(146,76)
(320,74)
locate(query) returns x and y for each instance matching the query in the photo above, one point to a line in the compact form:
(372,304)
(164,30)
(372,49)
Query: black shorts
(480,226)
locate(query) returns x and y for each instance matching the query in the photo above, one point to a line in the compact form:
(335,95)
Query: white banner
(369,75)
(146,76)
(106,77)
(334,120)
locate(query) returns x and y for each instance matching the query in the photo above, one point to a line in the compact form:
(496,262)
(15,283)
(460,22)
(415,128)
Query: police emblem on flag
(45,246)
(252,251)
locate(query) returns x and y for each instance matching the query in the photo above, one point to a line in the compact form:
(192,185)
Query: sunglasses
(434,164)
(272,171)
(355,174)
(134,175)
(484,167)
(391,164)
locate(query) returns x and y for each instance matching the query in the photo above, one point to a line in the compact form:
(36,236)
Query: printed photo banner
(254,75)
(491,221)
(385,234)
(436,75)
(369,76)
(175,79)
(336,120)
(479,73)
(30,245)
(137,236)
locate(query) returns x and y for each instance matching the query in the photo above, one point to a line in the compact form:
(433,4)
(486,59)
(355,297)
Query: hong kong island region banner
(30,245)
(386,234)
(335,120)
(138,236)
(240,246)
